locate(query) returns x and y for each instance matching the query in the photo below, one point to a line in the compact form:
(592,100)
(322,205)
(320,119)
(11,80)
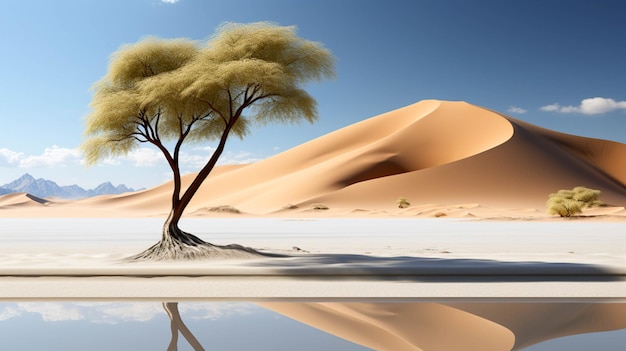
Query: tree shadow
(364,267)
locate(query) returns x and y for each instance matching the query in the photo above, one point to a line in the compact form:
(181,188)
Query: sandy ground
(326,259)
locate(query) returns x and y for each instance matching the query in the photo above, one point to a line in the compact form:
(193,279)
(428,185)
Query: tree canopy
(161,90)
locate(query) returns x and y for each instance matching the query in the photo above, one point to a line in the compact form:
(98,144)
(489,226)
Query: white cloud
(10,157)
(52,156)
(50,311)
(113,313)
(600,105)
(550,108)
(590,106)
(515,109)
(170,1)
(195,161)
(145,157)
(9,312)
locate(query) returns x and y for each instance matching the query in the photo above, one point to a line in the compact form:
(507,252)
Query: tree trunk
(171,231)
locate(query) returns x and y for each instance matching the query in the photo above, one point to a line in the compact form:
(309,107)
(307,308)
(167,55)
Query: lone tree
(174,92)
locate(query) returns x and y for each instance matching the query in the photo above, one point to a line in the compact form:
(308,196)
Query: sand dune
(21,200)
(433,152)
(451,327)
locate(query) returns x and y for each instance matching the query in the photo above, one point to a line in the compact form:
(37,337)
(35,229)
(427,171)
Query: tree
(174,92)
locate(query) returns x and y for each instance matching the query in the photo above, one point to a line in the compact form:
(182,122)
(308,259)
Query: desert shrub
(589,197)
(563,207)
(224,208)
(403,202)
(440,214)
(290,207)
(319,207)
(567,203)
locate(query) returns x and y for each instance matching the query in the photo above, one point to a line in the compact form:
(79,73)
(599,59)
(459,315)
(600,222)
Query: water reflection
(454,326)
(411,326)
(176,325)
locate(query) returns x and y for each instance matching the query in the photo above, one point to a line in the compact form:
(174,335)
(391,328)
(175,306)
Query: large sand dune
(434,153)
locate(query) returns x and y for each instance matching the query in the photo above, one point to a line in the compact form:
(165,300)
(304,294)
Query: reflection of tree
(176,325)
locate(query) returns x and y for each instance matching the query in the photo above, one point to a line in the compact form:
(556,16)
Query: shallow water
(233,326)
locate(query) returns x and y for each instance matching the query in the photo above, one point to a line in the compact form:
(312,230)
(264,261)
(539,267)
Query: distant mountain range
(46,188)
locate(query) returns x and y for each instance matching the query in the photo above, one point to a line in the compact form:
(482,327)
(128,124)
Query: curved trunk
(171,231)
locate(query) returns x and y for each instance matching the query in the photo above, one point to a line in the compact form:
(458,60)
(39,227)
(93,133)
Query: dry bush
(567,203)
(403,202)
(224,208)
(319,207)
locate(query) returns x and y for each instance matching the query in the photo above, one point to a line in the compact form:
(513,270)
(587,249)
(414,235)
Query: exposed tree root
(186,246)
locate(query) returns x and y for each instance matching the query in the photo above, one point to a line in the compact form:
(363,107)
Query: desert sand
(446,158)
(455,162)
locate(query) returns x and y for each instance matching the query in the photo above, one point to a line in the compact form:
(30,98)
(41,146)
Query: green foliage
(403,202)
(567,203)
(181,90)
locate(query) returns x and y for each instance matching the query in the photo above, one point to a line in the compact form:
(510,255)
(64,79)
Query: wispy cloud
(590,106)
(518,110)
(145,157)
(53,156)
(10,157)
(170,1)
(56,156)
(113,313)
(50,311)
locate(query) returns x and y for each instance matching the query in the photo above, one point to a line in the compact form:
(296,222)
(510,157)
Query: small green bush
(567,203)
(403,202)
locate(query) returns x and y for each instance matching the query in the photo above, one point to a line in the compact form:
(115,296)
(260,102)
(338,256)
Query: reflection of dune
(431,152)
(455,326)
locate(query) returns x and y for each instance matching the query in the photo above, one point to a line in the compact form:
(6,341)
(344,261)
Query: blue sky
(559,64)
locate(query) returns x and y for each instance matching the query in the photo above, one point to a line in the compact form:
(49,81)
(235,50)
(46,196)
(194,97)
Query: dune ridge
(432,152)
(21,200)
